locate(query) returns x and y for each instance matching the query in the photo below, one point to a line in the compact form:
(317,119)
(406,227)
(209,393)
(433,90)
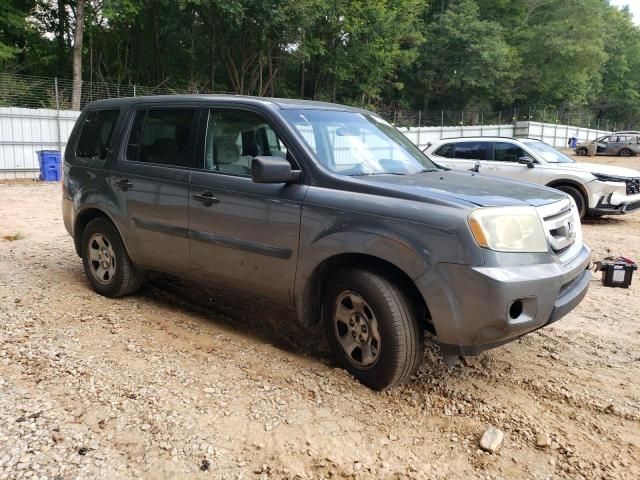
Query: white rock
(491,440)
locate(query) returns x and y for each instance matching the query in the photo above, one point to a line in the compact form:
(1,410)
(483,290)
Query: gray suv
(324,208)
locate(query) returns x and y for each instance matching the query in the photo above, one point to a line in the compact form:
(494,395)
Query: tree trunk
(62,22)
(77,56)
(302,78)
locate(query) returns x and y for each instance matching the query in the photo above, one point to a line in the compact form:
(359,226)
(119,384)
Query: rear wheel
(371,328)
(577,196)
(625,152)
(106,262)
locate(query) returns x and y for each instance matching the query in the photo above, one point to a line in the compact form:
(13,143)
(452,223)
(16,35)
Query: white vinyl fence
(24,131)
(555,135)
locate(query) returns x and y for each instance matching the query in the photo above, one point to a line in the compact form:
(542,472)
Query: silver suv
(324,208)
(622,144)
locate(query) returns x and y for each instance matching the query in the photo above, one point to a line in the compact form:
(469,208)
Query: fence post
(482,124)
(419,118)
(55,87)
(462,124)
(555,131)
(441,124)
(134,89)
(499,122)
(544,119)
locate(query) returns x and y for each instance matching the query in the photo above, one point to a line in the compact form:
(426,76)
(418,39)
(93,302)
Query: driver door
(505,163)
(243,234)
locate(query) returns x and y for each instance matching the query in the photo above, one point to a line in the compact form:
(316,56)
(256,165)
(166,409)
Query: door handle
(124,184)
(206,198)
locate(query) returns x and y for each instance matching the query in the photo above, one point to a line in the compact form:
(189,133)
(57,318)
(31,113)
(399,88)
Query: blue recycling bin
(573,141)
(49,161)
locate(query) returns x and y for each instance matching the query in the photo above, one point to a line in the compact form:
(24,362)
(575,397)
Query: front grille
(633,186)
(561,229)
(632,207)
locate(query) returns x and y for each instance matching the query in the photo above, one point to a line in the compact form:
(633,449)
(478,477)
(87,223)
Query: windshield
(351,143)
(548,153)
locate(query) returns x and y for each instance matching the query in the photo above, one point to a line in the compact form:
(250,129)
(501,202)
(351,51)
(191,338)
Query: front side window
(473,150)
(234,139)
(162,137)
(507,152)
(95,135)
(351,143)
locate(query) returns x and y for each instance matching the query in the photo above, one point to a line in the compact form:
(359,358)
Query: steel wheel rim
(625,153)
(102,260)
(356,329)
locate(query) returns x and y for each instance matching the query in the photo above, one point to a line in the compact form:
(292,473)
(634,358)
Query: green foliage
(466,60)
(449,54)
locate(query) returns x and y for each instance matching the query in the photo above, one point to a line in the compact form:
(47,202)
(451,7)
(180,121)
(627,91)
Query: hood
(597,168)
(479,189)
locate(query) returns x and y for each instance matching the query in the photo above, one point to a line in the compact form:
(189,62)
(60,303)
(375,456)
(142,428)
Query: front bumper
(477,308)
(628,205)
(611,198)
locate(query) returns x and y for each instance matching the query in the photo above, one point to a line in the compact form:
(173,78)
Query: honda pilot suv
(324,208)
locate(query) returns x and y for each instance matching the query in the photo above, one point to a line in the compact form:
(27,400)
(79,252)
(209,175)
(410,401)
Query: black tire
(625,152)
(401,344)
(126,278)
(577,196)
(581,152)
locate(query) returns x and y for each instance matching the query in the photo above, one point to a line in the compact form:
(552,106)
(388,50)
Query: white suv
(597,189)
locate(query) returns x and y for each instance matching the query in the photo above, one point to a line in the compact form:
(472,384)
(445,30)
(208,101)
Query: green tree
(466,60)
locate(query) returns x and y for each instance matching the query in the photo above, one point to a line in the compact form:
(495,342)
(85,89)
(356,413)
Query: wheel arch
(83,218)
(309,299)
(571,183)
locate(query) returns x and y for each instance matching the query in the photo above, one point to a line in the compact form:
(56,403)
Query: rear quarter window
(95,134)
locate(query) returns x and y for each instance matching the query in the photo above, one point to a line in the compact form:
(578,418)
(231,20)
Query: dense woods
(412,54)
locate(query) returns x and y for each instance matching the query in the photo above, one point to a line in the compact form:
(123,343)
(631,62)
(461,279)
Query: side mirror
(272,170)
(528,161)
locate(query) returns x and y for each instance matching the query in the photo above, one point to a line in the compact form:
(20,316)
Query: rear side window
(473,150)
(163,137)
(446,151)
(95,135)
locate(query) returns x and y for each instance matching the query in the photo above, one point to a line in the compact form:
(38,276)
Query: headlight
(508,229)
(609,178)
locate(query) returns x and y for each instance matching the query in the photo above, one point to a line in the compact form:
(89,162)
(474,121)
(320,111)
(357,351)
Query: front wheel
(106,262)
(581,152)
(372,328)
(577,196)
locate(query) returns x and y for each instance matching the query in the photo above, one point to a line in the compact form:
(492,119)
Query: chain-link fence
(578,117)
(55,93)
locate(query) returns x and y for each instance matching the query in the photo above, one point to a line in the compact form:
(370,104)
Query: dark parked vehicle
(325,208)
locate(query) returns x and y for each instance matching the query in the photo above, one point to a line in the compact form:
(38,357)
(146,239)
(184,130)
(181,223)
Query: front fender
(411,247)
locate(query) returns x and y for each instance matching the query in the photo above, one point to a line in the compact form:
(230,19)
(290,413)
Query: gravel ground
(182,382)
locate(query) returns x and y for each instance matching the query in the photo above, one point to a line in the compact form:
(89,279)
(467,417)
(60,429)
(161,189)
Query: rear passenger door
(242,234)
(151,183)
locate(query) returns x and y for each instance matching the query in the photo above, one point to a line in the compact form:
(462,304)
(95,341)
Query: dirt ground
(182,382)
